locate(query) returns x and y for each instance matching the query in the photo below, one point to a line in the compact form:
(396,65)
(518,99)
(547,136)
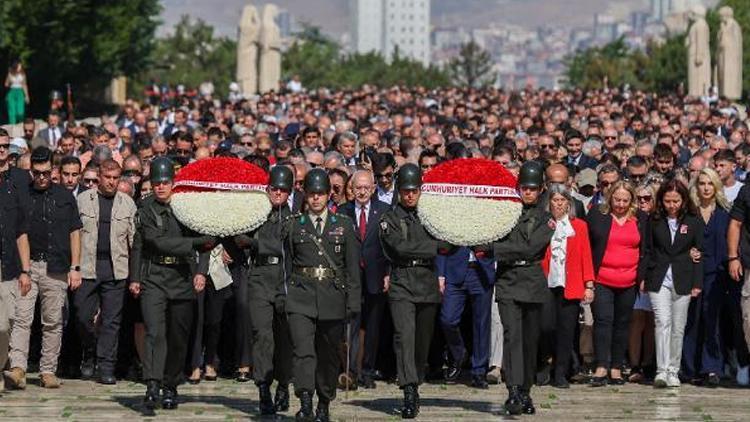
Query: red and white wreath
(469,201)
(221,196)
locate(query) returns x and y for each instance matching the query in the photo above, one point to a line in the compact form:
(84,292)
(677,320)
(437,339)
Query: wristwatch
(27,272)
(75,268)
(732,258)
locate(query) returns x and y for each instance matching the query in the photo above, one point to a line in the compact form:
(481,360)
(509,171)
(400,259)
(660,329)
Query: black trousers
(168,323)
(316,355)
(195,353)
(70,352)
(413,325)
(372,320)
(272,345)
(107,297)
(612,309)
(559,321)
(521,328)
(229,304)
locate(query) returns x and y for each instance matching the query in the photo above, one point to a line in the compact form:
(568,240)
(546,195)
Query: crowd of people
(642,265)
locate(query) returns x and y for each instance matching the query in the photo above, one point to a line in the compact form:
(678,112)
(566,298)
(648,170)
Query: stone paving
(227,400)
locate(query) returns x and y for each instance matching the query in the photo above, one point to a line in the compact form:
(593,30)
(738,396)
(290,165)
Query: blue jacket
(715,242)
(453,266)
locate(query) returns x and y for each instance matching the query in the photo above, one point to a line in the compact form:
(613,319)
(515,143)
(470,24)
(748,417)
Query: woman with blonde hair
(702,359)
(616,231)
(18,93)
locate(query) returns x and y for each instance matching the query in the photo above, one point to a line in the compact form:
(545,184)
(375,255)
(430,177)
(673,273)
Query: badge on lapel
(683,229)
(337,248)
(384,226)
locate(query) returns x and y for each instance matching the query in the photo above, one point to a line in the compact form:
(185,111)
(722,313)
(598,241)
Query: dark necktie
(362,222)
(319,225)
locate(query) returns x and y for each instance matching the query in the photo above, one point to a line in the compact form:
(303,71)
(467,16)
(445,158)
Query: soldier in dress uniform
(172,272)
(521,288)
(321,255)
(272,350)
(415,293)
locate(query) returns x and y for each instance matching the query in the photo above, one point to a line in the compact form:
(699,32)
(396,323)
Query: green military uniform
(520,290)
(169,260)
(414,294)
(317,302)
(272,349)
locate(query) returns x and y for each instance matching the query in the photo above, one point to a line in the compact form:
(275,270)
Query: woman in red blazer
(570,277)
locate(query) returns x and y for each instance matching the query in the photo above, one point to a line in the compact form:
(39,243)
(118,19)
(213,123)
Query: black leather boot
(410,408)
(152,394)
(281,402)
(305,413)
(265,400)
(322,413)
(514,403)
(169,398)
(526,403)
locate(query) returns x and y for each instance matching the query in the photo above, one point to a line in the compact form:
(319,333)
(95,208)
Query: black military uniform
(414,295)
(521,289)
(272,350)
(323,289)
(170,259)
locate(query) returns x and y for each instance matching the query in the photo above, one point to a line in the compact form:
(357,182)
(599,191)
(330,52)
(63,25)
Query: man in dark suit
(51,135)
(576,157)
(469,276)
(366,212)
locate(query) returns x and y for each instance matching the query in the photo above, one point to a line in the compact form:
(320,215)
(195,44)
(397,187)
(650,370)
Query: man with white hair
(365,211)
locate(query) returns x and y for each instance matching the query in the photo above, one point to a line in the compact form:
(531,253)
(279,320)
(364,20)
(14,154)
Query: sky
(333,15)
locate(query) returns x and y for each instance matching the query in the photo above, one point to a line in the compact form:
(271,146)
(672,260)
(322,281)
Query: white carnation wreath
(467,221)
(221,213)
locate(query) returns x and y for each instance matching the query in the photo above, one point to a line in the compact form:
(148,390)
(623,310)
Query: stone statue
(699,54)
(247,51)
(270,51)
(729,55)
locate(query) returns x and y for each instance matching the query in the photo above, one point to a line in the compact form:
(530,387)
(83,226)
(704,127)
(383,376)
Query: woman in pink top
(615,232)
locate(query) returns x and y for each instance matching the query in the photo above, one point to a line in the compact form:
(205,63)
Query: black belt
(39,256)
(167,260)
(319,273)
(416,263)
(268,260)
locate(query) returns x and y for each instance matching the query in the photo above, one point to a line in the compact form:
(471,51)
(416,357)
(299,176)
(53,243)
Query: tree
(472,67)
(192,54)
(81,42)
(612,63)
(319,63)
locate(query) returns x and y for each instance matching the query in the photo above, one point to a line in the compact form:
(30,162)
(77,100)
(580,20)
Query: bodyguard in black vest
(272,349)
(323,290)
(172,274)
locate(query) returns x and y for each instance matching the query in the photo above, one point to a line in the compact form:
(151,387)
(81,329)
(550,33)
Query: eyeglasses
(426,166)
(546,146)
(605,183)
(645,198)
(45,174)
(636,177)
(247,144)
(87,181)
(610,137)
(384,176)
(183,152)
(5,146)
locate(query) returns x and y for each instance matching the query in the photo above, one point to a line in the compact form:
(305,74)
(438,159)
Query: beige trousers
(51,289)
(8,293)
